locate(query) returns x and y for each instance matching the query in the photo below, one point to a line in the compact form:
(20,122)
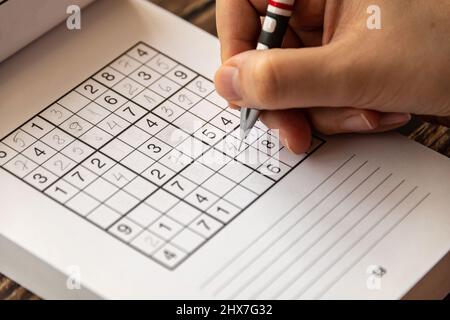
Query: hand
(335,74)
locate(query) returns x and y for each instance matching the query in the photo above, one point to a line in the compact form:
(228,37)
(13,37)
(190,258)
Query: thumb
(289,78)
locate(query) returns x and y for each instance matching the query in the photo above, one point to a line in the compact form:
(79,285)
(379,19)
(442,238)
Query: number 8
(108,76)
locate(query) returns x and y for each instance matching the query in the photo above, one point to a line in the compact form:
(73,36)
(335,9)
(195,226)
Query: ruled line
(325,233)
(297,240)
(310,283)
(281,235)
(264,233)
(322,293)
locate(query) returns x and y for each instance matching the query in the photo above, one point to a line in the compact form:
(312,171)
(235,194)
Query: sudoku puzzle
(147,151)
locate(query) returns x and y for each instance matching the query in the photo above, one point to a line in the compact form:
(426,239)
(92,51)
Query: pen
(273,30)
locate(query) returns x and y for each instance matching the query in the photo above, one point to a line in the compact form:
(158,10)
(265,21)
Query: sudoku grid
(146,150)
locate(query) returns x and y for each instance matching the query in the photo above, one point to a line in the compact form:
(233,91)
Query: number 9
(124,229)
(181,75)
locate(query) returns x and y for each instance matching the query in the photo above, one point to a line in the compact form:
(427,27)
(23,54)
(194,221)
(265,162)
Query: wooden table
(202,14)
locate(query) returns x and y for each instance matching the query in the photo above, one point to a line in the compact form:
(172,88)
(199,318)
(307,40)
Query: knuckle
(266,83)
(351,77)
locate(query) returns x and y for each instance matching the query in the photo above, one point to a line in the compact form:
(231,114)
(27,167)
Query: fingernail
(227,83)
(357,123)
(392,119)
(286,144)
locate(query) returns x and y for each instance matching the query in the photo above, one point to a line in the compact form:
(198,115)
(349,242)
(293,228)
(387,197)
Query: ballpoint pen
(274,28)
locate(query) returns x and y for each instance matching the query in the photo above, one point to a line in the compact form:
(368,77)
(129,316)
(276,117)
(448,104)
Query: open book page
(121,170)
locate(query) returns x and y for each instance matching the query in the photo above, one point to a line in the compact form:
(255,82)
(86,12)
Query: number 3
(40,178)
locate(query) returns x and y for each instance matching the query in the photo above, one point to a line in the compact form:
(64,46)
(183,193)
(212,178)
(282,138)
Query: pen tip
(244,133)
(240,145)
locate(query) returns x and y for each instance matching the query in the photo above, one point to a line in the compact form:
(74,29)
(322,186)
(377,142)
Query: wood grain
(202,14)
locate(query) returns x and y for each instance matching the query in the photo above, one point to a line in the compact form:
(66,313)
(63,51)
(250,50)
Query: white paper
(23,21)
(357,217)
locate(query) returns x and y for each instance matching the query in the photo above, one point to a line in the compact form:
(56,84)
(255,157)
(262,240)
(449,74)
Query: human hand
(335,74)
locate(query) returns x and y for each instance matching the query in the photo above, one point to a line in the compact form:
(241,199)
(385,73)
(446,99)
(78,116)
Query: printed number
(34,125)
(226,121)
(180,74)
(124,229)
(90,88)
(204,224)
(169,255)
(108,76)
(158,174)
(268,144)
(58,189)
(177,183)
(201,198)
(110,100)
(78,174)
(220,209)
(129,110)
(40,178)
(97,162)
(273,169)
(142,52)
(164,226)
(144,75)
(154,148)
(151,123)
(39,152)
(209,134)
(3,154)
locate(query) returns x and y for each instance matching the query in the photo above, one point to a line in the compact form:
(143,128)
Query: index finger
(238,26)
(239,23)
